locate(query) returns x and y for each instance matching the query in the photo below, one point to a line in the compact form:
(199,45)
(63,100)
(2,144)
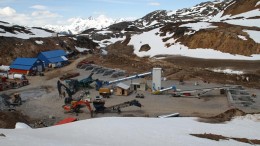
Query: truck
(105,92)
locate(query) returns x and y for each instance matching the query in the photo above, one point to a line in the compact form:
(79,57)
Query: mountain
(78,24)
(19,41)
(227,29)
(221,29)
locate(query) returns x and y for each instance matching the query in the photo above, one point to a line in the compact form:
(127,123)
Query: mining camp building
(26,66)
(54,58)
(122,89)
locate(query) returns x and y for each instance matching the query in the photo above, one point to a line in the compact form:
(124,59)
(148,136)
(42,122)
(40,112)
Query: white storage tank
(157,75)
(16,76)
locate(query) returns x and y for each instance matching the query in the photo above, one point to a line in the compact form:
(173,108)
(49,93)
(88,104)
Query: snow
(4,68)
(170,13)
(242,37)
(255,35)
(243,21)
(228,71)
(78,25)
(115,131)
(20,125)
(258,3)
(35,33)
(198,26)
(104,32)
(158,48)
(81,49)
(39,42)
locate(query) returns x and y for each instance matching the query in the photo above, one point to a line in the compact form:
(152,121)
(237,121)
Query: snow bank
(19,125)
(116,131)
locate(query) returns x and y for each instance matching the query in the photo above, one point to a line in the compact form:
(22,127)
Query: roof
(22,67)
(24,61)
(54,53)
(58,59)
(123,86)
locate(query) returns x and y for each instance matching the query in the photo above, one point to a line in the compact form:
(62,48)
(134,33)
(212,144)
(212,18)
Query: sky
(59,12)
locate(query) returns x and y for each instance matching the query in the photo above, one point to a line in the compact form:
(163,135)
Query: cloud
(7,11)
(36,18)
(154,4)
(38,7)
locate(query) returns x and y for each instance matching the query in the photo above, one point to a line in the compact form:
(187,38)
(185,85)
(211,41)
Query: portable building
(54,58)
(138,86)
(26,66)
(122,89)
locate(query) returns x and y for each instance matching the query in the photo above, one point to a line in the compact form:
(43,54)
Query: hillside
(18,41)
(225,29)
(206,28)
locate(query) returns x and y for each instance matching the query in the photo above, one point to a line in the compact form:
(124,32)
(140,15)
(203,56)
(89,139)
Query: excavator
(75,105)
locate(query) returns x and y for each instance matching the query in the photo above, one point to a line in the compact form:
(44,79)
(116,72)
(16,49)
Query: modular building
(122,89)
(54,58)
(26,66)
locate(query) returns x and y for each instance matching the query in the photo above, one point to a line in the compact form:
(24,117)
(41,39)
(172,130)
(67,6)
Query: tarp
(67,120)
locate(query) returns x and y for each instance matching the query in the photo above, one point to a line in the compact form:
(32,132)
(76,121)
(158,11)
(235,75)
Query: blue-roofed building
(26,66)
(54,58)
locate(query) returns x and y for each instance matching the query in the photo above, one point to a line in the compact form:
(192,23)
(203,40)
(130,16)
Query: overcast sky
(42,12)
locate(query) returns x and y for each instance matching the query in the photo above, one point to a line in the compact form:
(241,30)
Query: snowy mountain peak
(77,25)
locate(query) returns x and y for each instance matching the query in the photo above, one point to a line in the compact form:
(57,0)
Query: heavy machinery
(75,85)
(74,106)
(99,83)
(11,101)
(100,106)
(105,92)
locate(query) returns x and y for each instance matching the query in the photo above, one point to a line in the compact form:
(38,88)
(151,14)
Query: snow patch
(228,71)
(20,125)
(258,3)
(253,34)
(242,37)
(4,68)
(198,26)
(158,47)
(39,42)
(81,49)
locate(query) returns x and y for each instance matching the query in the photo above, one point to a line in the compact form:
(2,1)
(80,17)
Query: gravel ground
(41,99)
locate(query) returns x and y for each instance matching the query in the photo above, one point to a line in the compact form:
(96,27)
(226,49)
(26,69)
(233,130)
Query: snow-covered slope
(158,47)
(9,30)
(77,25)
(135,132)
(217,30)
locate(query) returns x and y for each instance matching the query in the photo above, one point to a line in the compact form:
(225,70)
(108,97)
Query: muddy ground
(43,107)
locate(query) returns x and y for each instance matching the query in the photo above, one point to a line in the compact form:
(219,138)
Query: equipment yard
(41,100)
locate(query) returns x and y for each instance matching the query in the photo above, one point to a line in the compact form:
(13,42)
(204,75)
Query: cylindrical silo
(156,84)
